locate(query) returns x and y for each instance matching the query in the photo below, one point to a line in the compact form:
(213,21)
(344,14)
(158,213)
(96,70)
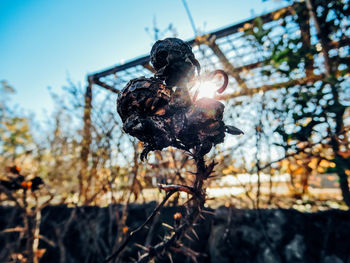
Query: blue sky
(44,42)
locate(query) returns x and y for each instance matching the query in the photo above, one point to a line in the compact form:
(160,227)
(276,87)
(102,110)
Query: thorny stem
(198,201)
(130,236)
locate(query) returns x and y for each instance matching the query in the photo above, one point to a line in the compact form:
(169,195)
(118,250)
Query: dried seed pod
(142,96)
(174,61)
(160,117)
(143,106)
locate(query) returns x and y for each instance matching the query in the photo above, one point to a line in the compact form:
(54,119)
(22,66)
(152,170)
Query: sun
(205,89)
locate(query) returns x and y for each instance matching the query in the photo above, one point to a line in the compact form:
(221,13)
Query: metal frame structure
(226,48)
(209,49)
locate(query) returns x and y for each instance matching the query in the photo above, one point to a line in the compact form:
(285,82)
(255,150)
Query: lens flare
(205,89)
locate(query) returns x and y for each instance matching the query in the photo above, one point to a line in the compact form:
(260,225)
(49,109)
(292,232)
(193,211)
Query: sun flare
(205,89)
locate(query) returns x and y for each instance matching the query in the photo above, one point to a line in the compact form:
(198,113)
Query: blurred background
(62,64)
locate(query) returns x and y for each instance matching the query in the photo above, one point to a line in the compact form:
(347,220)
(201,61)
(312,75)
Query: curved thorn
(225,76)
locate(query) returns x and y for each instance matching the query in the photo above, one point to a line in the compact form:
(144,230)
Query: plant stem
(197,206)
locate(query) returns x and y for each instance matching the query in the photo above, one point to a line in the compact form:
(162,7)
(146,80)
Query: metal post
(85,149)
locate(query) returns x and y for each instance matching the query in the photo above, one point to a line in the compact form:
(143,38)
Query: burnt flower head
(160,112)
(174,61)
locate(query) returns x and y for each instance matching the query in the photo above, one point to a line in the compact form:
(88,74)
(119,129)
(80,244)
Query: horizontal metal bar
(106,86)
(218,34)
(234,28)
(112,70)
(264,88)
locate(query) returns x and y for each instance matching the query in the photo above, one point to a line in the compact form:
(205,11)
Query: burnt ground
(87,234)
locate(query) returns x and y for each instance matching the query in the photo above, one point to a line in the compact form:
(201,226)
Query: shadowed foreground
(87,234)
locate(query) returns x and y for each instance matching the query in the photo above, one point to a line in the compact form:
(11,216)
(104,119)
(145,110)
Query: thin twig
(198,200)
(130,236)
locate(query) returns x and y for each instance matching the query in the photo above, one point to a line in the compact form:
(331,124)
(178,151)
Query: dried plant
(160,117)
